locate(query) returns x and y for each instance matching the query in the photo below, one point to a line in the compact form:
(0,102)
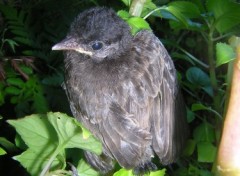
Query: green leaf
(15,82)
(224,53)
(206,152)
(20,143)
(199,78)
(190,147)
(2,151)
(123,172)
(189,9)
(138,24)
(226,14)
(85,169)
(198,106)
(204,132)
(200,5)
(208,90)
(205,173)
(36,131)
(26,69)
(176,12)
(25,41)
(148,7)
(158,173)
(40,104)
(191,25)
(9,146)
(12,90)
(47,137)
(123,14)
(9,12)
(12,44)
(40,137)
(34,161)
(127,2)
(193,170)
(70,135)
(21,32)
(190,115)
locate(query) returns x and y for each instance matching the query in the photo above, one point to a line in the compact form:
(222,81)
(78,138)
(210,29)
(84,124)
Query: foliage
(196,34)
(47,137)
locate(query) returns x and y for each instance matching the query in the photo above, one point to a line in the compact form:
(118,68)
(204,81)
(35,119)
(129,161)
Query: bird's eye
(97,45)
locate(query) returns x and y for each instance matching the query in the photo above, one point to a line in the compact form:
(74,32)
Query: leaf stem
(150,13)
(212,71)
(48,165)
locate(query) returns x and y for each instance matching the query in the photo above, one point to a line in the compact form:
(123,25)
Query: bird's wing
(137,112)
(168,118)
(146,108)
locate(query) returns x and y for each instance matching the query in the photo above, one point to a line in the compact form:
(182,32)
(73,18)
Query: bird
(124,89)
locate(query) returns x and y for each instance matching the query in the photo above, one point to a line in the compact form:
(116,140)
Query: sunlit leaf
(34,161)
(70,134)
(138,24)
(123,172)
(36,131)
(158,173)
(224,53)
(123,14)
(47,137)
(2,151)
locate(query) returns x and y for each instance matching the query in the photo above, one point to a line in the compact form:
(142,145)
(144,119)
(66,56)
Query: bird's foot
(144,168)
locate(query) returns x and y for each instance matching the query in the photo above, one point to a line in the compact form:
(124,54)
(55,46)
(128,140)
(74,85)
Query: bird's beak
(71,44)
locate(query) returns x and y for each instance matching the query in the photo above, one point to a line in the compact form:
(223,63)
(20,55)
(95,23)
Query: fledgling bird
(124,89)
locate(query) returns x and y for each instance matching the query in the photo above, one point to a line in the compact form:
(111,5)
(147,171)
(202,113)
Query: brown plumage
(124,89)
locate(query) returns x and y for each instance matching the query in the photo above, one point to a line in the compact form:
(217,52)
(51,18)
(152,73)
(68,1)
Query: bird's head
(98,33)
